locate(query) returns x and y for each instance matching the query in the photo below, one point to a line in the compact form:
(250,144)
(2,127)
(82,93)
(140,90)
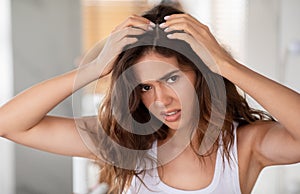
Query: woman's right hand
(24,118)
(103,55)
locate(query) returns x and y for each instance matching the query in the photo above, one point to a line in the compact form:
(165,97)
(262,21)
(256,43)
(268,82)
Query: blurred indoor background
(43,38)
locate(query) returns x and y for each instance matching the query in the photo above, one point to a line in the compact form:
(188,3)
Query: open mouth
(171,116)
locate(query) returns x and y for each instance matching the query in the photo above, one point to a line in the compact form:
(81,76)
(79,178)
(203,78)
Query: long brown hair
(123,104)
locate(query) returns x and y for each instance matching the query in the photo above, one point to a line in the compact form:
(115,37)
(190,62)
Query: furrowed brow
(168,75)
(165,76)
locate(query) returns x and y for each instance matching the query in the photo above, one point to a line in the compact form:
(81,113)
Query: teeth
(171,113)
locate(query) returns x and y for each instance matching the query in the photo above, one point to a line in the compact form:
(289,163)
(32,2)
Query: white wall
(7,178)
(289,35)
(46,42)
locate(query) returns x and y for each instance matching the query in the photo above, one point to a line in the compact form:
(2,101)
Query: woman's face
(168,92)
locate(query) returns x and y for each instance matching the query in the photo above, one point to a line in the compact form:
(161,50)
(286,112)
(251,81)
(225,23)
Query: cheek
(187,99)
(185,90)
(186,95)
(146,100)
(148,103)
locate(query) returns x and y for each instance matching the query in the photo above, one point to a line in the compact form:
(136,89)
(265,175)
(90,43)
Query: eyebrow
(165,76)
(168,75)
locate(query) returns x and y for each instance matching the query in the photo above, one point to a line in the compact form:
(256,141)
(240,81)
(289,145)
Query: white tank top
(225,179)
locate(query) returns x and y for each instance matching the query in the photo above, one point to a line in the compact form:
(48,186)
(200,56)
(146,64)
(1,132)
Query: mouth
(171,116)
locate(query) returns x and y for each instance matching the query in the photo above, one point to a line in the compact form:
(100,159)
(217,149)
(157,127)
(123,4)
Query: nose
(163,96)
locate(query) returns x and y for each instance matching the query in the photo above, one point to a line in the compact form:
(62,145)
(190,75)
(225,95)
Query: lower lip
(173,118)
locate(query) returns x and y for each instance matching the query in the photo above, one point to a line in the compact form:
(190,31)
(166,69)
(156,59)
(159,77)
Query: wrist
(85,74)
(228,68)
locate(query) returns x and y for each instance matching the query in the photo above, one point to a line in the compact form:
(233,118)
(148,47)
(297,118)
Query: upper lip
(169,111)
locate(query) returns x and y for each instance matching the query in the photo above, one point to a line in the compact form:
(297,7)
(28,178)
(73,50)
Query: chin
(172,126)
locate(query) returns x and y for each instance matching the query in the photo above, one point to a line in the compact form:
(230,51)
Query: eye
(145,88)
(172,79)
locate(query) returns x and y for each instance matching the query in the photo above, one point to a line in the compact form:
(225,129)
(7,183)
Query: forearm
(280,101)
(29,107)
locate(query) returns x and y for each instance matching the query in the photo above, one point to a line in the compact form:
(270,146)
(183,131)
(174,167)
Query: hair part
(124,99)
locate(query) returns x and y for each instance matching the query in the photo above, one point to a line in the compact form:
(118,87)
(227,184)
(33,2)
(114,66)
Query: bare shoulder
(247,138)
(251,139)
(261,144)
(272,143)
(249,161)
(250,133)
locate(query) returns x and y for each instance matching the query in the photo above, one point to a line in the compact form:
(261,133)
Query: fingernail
(166,17)
(150,28)
(162,25)
(167,29)
(152,24)
(170,35)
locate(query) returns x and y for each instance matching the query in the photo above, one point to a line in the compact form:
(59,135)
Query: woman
(172,120)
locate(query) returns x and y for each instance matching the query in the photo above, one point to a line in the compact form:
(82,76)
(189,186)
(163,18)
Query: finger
(137,25)
(184,22)
(114,41)
(182,36)
(199,48)
(173,21)
(135,21)
(182,17)
(127,41)
(110,53)
(127,32)
(119,46)
(187,28)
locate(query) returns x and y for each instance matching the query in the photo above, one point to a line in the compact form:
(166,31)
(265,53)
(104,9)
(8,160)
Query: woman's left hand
(200,39)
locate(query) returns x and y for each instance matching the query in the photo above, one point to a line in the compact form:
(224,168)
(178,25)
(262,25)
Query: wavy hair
(122,104)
